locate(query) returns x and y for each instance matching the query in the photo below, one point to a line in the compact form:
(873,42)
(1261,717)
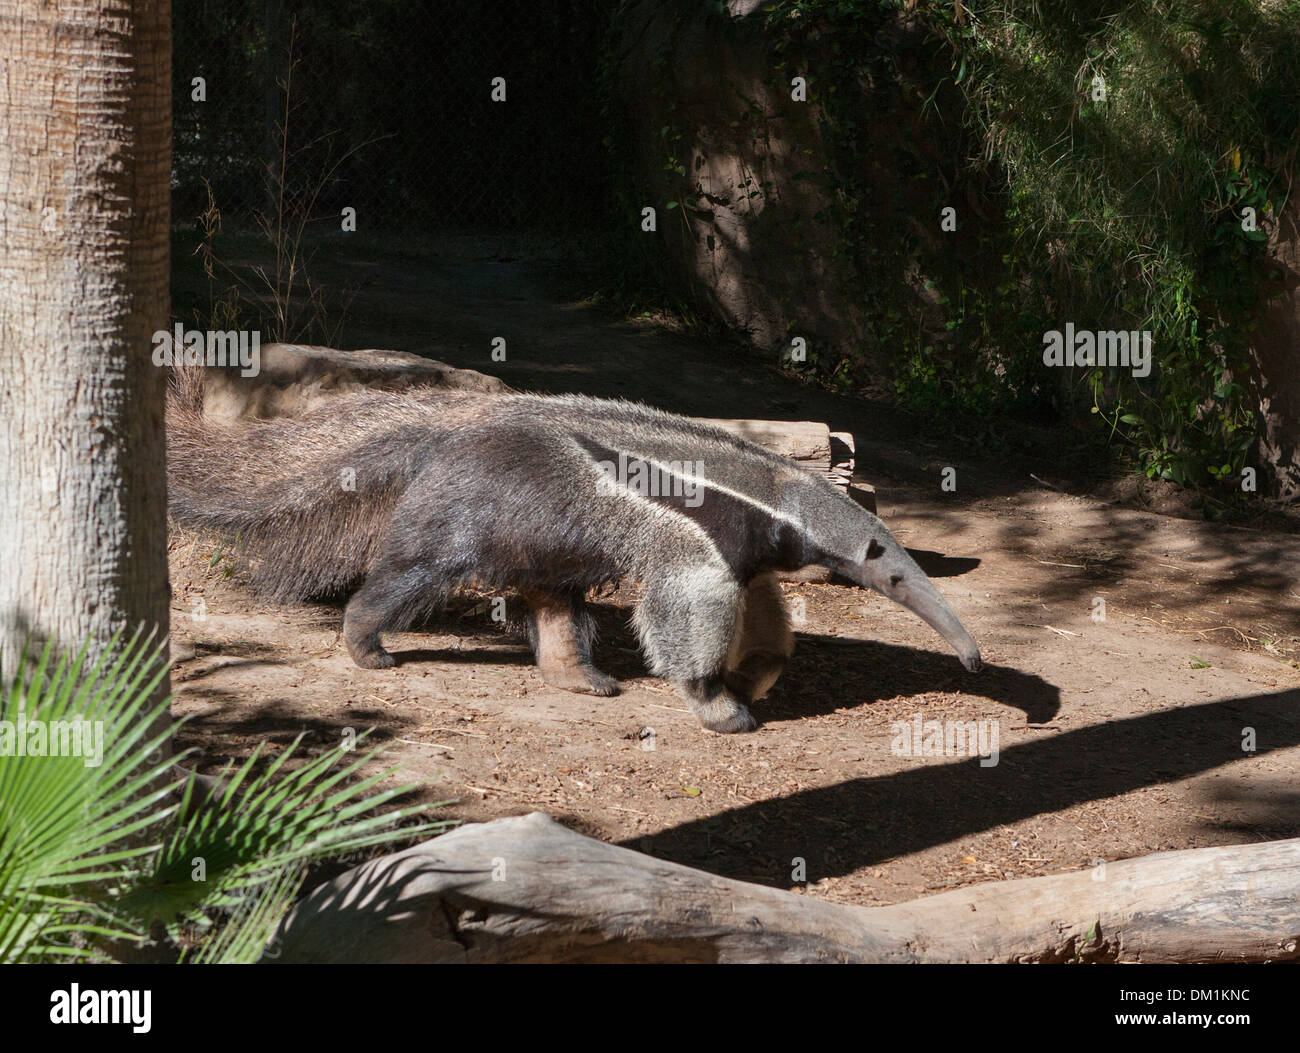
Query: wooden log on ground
(295,378)
(526,889)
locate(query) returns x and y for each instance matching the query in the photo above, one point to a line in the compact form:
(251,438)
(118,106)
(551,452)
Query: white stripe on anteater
(666,468)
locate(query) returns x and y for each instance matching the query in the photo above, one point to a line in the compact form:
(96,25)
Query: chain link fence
(387,107)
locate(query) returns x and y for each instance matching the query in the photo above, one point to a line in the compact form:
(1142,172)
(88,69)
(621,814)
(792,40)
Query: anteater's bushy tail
(309,498)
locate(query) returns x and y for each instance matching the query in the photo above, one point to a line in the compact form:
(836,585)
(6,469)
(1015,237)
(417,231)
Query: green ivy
(1116,213)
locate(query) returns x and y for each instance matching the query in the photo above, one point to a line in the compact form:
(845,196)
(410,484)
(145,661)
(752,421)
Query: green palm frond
(74,811)
(265,822)
(101,837)
(245,939)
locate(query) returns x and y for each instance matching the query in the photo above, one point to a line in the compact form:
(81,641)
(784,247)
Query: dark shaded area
(389,111)
(937,565)
(916,809)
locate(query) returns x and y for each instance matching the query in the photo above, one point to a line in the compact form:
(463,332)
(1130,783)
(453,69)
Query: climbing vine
(1129,160)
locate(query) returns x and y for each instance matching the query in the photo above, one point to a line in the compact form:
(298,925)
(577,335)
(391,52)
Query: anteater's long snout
(923,599)
(889,570)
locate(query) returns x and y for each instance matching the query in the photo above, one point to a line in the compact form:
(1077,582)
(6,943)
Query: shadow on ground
(913,810)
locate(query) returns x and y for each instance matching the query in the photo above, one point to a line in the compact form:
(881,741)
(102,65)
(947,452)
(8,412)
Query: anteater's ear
(875,550)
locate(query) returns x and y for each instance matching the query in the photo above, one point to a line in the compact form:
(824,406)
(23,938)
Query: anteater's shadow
(937,565)
(826,673)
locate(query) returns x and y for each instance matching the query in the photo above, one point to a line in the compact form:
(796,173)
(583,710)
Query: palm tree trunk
(85,163)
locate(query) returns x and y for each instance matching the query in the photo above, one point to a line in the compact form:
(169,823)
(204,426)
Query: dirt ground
(1172,723)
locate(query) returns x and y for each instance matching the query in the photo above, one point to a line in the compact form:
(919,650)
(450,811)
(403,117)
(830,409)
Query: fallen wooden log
(810,444)
(526,889)
(294,378)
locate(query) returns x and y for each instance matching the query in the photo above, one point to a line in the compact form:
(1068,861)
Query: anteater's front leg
(687,620)
(561,631)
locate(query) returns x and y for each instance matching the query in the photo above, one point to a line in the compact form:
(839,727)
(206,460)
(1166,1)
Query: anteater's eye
(894,579)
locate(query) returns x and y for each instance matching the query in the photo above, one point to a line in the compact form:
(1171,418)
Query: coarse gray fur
(399,498)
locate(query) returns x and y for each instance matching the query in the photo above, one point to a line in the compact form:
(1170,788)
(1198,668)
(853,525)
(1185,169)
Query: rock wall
(744,236)
(1276,347)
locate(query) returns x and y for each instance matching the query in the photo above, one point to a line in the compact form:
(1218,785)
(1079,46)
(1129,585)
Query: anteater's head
(832,529)
(885,566)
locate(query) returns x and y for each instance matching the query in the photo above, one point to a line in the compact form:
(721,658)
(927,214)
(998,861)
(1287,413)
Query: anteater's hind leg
(686,621)
(763,642)
(561,631)
(406,579)
(376,606)
(394,594)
